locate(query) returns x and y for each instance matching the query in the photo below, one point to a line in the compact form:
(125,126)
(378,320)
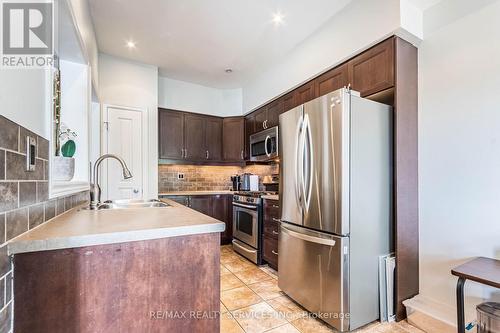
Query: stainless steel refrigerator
(336,205)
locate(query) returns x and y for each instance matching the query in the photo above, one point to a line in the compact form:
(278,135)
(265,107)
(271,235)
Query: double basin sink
(132,203)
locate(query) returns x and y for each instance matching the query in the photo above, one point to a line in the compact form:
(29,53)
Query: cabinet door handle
(275,233)
(274,252)
(242,154)
(207,154)
(276,220)
(185,153)
(276,206)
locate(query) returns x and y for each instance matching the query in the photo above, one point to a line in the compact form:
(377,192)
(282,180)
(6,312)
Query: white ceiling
(196,40)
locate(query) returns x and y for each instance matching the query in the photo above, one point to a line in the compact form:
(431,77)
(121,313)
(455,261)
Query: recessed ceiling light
(228,70)
(278,18)
(130,44)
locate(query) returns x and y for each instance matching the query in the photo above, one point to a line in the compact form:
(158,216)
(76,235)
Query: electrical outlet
(180,175)
(30,153)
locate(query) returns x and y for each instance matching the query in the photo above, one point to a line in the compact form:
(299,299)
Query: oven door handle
(243,248)
(244,206)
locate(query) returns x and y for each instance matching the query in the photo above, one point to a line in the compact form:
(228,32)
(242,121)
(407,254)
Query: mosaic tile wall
(206,178)
(24,202)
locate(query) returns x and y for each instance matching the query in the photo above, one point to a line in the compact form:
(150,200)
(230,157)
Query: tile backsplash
(206,178)
(24,202)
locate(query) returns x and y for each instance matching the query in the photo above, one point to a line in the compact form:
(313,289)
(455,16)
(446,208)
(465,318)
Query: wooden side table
(481,270)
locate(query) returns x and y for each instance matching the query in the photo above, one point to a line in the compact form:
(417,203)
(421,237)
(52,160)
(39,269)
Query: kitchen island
(119,270)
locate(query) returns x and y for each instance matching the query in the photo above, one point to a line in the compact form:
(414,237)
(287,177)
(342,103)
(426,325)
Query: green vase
(68,149)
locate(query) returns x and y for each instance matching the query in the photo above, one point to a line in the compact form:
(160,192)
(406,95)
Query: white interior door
(124,135)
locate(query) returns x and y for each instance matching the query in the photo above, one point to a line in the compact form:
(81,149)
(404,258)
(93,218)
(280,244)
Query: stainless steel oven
(264,145)
(246,226)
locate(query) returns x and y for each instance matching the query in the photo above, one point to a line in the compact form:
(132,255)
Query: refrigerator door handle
(308,238)
(298,166)
(307,160)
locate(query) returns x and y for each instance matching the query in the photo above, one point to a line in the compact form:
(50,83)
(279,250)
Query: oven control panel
(247,199)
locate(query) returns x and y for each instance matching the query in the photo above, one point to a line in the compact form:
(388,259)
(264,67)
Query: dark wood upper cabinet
(170,134)
(332,80)
(260,119)
(250,124)
(305,93)
(301,95)
(274,109)
(194,137)
(189,137)
(233,138)
(213,139)
(373,70)
(249,130)
(289,101)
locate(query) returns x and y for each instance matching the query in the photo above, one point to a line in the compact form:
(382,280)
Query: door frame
(144,144)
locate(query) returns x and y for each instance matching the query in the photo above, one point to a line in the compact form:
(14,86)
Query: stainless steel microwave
(264,145)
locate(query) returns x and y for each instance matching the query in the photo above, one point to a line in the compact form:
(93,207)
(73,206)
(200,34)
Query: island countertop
(79,227)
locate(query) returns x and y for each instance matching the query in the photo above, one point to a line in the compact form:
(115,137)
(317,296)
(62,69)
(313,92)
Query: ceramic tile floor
(252,302)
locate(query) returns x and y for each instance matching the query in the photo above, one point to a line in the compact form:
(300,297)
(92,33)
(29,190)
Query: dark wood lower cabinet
(126,287)
(270,253)
(202,204)
(271,232)
(217,206)
(223,211)
(182,199)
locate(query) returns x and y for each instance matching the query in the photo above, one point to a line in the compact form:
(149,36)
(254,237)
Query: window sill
(59,189)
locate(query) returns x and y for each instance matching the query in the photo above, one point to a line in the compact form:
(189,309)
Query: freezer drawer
(313,270)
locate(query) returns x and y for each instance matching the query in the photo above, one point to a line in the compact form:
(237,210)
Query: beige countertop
(78,227)
(270,197)
(195,193)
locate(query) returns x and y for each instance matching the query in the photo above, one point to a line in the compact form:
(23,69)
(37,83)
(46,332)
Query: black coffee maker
(236,180)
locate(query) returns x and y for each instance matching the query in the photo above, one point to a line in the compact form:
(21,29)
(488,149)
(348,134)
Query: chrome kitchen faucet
(95,189)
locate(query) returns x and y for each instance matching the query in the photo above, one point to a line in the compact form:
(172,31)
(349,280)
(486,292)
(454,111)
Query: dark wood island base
(163,285)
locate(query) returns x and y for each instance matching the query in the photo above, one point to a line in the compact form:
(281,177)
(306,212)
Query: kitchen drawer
(271,229)
(271,209)
(270,251)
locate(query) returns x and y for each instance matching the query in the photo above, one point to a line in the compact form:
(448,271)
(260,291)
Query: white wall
(186,96)
(132,84)
(80,11)
(459,148)
(358,26)
(25,98)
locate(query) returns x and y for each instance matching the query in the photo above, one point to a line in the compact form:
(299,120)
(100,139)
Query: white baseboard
(432,316)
